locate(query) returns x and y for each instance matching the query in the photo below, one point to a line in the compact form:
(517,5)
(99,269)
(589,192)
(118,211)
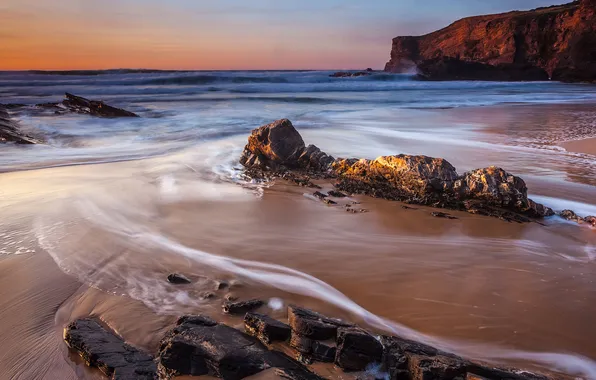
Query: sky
(221,34)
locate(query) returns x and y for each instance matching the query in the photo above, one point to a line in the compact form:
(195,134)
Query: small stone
(442,215)
(178,279)
(266,328)
(408,207)
(207,295)
(356,349)
(241,307)
(320,195)
(336,194)
(591,220)
(328,201)
(221,285)
(230,297)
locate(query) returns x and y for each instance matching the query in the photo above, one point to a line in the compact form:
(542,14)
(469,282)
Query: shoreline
(583,146)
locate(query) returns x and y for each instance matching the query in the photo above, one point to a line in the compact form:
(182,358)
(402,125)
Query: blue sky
(221,34)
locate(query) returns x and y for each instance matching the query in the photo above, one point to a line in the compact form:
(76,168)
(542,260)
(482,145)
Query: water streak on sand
(289,280)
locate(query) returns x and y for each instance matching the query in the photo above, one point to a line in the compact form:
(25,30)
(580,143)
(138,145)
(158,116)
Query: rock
(266,328)
(402,177)
(272,145)
(312,349)
(93,107)
(408,207)
(102,349)
(178,279)
(446,68)
(555,42)
(310,324)
(442,215)
(221,285)
(319,195)
(313,158)
(10,130)
(221,351)
(591,220)
(336,194)
(241,307)
(207,295)
(436,367)
(328,201)
(497,188)
(356,349)
(570,215)
(347,74)
(277,151)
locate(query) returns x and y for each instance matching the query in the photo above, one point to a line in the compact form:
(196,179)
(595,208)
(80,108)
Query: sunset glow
(207,34)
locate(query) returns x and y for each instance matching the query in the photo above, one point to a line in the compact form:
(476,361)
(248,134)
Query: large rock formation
(276,149)
(557,42)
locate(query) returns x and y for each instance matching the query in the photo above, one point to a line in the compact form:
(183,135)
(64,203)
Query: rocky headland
(557,42)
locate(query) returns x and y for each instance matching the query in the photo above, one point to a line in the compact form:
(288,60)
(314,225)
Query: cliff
(559,41)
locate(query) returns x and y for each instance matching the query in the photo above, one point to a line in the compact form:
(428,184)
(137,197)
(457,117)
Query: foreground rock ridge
(557,42)
(278,150)
(198,345)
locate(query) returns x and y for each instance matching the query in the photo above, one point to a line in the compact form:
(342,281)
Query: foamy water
(119,203)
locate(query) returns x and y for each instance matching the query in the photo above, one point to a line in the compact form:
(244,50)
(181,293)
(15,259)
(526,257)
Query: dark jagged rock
(275,151)
(330,202)
(313,325)
(311,349)
(520,45)
(591,220)
(442,215)
(221,285)
(218,350)
(179,279)
(570,215)
(102,349)
(446,68)
(336,194)
(241,307)
(265,328)
(79,104)
(319,195)
(10,130)
(356,349)
(436,367)
(348,74)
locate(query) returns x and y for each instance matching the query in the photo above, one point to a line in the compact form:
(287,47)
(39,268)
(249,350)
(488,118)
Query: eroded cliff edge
(557,42)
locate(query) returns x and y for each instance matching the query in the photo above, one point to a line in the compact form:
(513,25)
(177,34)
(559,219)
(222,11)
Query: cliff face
(561,40)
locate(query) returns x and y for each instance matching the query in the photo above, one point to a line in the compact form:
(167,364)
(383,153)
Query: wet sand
(461,283)
(585,146)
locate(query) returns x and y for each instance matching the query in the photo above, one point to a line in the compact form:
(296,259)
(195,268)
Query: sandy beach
(586,146)
(94,221)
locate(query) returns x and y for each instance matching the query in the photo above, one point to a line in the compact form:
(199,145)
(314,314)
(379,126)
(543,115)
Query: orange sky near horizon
(217,34)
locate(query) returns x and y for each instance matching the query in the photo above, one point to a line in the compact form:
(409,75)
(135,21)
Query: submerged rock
(102,349)
(277,150)
(179,279)
(93,107)
(10,130)
(348,74)
(196,348)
